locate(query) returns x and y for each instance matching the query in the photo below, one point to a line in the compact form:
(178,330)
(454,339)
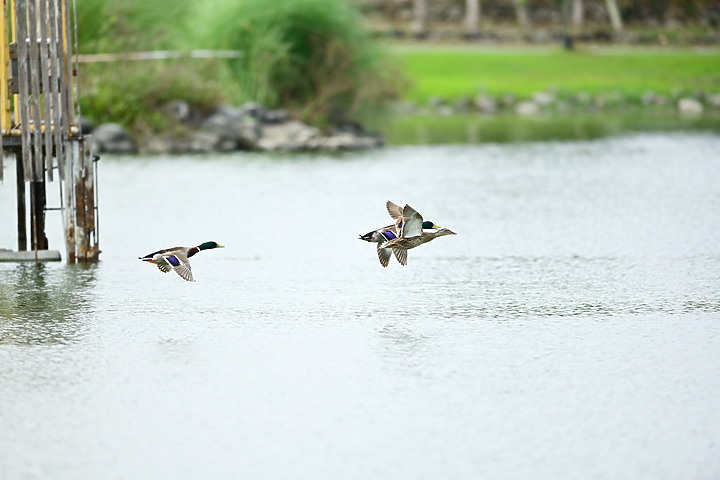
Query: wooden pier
(39,118)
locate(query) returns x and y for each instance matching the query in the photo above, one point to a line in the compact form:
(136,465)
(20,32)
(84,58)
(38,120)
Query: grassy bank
(504,128)
(453,72)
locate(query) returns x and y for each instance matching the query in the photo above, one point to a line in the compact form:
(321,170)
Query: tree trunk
(420,11)
(614,13)
(521,13)
(577,16)
(472,18)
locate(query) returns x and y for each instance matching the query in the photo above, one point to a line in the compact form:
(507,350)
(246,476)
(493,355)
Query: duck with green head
(409,231)
(176,258)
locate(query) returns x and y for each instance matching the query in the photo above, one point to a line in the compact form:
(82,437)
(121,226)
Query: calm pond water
(570,330)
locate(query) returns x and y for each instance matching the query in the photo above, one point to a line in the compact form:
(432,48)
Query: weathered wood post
(81,235)
(21,218)
(38,114)
(38,202)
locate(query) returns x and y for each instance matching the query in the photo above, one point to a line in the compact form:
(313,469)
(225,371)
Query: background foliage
(311,56)
(316,57)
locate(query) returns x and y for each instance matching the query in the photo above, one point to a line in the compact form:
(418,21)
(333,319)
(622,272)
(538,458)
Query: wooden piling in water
(21,218)
(36,86)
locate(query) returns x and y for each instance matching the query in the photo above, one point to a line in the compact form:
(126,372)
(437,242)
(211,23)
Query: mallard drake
(382,235)
(409,231)
(176,258)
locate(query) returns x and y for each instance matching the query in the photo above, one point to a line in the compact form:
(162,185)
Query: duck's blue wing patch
(181,267)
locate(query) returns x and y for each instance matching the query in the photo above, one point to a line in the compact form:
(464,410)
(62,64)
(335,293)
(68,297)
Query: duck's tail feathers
(368,237)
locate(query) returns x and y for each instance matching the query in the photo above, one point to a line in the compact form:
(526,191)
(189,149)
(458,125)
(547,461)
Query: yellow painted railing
(7,34)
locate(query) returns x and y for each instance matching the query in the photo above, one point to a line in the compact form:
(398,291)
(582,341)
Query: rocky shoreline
(553,102)
(251,127)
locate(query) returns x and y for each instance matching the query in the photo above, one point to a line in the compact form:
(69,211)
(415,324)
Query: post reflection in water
(44,304)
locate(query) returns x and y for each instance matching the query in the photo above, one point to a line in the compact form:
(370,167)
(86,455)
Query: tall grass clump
(311,56)
(111,26)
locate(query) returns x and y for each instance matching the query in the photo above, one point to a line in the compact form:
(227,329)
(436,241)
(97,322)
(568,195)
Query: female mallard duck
(409,231)
(176,258)
(381,234)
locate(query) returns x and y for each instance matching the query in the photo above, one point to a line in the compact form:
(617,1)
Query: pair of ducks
(408,231)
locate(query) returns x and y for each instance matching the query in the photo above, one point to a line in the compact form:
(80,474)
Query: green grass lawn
(452,72)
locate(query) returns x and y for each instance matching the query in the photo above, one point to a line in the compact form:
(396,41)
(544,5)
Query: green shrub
(132,93)
(311,56)
(106,26)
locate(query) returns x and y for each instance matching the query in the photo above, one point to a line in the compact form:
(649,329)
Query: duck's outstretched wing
(412,222)
(181,266)
(164,266)
(400,254)
(394,210)
(384,255)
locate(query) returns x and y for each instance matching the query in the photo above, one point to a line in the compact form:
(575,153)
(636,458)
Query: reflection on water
(404,348)
(439,129)
(44,304)
(577,310)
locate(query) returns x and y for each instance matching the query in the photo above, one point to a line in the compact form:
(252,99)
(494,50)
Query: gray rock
(289,137)
(292,136)
(404,107)
(651,98)
(349,141)
(446,111)
(583,98)
(234,127)
(229,128)
(543,99)
(252,109)
(205,141)
(485,104)
(648,98)
(690,106)
(714,100)
(508,100)
(112,138)
(463,104)
(436,102)
(275,116)
(86,126)
(527,108)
